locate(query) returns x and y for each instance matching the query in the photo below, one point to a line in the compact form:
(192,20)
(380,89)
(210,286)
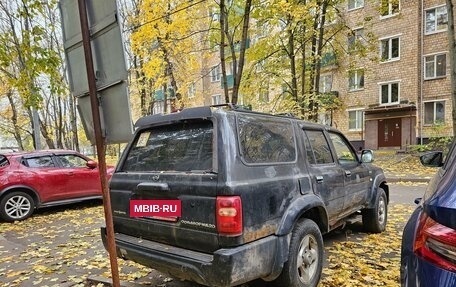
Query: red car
(30,180)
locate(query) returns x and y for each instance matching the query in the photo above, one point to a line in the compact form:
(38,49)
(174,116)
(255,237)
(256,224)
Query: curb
(408,179)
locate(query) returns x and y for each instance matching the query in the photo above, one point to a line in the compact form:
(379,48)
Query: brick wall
(408,69)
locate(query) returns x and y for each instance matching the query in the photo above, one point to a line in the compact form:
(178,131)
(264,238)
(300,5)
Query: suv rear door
(328,178)
(173,162)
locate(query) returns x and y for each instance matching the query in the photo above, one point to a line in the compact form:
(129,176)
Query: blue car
(428,255)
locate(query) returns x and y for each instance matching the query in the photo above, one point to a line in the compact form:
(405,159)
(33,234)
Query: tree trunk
(292,56)
(240,67)
(73,123)
(223,23)
(45,134)
(14,120)
(452,51)
(141,85)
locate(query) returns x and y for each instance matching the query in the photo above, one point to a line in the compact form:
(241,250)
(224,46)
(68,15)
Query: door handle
(319,178)
(348,173)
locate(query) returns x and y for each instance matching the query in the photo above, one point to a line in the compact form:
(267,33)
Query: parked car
(31,180)
(428,256)
(252,194)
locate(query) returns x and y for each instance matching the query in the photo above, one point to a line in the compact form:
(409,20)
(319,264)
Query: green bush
(439,143)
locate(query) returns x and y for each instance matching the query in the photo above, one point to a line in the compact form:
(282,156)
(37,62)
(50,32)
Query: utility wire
(159,18)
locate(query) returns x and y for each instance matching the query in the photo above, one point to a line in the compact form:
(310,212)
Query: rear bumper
(225,267)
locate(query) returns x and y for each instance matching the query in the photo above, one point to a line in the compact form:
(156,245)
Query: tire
(16,205)
(305,257)
(374,219)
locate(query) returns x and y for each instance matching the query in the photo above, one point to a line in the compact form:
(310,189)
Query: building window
(262,29)
(159,107)
(389,7)
(355,120)
(260,66)
(230,68)
(356,80)
(434,66)
(389,49)
(355,4)
(434,112)
(217,99)
(436,19)
(325,83)
(191,90)
(355,38)
(324,118)
(389,93)
(214,14)
(264,95)
(215,73)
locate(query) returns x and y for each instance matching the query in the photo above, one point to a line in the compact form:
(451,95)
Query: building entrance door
(389,133)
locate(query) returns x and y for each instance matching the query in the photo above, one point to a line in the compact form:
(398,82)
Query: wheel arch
(379,182)
(22,188)
(307,206)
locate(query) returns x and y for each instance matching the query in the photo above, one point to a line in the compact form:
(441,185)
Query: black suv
(256,193)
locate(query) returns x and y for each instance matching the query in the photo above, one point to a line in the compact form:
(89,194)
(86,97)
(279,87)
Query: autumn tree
(164,40)
(234,35)
(31,65)
(141,87)
(290,57)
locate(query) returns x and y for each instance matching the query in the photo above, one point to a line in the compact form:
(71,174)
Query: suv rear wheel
(305,259)
(374,219)
(16,205)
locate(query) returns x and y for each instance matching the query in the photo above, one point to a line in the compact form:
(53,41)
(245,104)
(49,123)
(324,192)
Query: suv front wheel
(374,219)
(305,259)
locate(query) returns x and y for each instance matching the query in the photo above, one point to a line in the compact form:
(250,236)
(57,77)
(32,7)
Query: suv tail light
(436,243)
(229,215)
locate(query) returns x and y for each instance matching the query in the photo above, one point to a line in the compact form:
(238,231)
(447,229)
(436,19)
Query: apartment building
(396,96)
(401,95)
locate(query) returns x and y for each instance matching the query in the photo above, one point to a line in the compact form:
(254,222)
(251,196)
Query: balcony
(229,82)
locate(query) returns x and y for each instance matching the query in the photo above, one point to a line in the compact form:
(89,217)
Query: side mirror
(367,156)
(432,159)
(92,164)
(418,200)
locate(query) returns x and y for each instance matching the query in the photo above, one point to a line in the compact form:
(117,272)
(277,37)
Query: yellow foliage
(166,37)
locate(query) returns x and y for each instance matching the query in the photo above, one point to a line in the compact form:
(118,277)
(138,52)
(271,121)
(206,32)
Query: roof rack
(233,107)
(248,108)
(291,115)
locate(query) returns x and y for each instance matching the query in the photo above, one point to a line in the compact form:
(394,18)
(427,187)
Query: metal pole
(99,141)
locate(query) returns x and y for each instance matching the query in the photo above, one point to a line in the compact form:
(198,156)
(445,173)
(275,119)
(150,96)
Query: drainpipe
(421,106)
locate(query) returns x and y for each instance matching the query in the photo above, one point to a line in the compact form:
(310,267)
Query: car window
(343,151)
(309,151)
(266,140)
(320,152)
(42,161)
(3,161)
(179,147)
(72,160)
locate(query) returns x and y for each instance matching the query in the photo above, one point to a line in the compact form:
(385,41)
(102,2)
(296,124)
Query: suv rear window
(266,140)
(179,147)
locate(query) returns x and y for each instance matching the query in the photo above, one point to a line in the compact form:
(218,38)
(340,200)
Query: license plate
(163,209)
